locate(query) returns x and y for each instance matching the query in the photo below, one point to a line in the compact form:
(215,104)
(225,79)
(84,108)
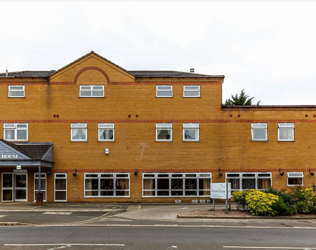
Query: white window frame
(161,91)
(92,90)
(43,177)
(106,126)
(245,175)
(164,126)
(99,177)
(259,126)
(11,91)
(82,126)
(285,126)
(56,177)
(170,176)
(295,175)
(186,91)
(14,126)
(191,126)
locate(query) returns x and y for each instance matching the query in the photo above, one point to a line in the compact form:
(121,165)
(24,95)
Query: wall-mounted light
(107,151)
(220,173)
(136,172)
(280,171)
(311,173)
(75,174)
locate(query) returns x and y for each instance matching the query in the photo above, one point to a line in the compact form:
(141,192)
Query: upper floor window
(91,91)
(190,131)
(106,131)
(191,91)
(163,132)
(16,91)
(164,91)
(15,131)
(79,132)
(286,132)
(259,132)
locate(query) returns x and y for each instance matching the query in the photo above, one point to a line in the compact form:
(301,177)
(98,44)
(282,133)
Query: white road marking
(250,247)
(55,248)
(63,213)
(2,216)
(65,244)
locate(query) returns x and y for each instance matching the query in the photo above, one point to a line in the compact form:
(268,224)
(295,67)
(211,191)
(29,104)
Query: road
(150,227)
(144,237)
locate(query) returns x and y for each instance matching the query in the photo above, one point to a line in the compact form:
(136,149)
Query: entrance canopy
(26,154)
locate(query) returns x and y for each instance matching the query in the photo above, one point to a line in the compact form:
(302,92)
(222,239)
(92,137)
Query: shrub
(305,200)
(260,203)
(286,197)
(282,208)
(240,197)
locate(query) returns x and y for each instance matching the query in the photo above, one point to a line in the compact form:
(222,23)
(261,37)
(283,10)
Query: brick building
(95,132)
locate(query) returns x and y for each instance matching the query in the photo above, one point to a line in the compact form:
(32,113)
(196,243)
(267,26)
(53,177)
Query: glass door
(21,187)
(7,187)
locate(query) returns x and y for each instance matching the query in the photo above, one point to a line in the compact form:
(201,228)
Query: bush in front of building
(260,203)
(305,199)
(240,197)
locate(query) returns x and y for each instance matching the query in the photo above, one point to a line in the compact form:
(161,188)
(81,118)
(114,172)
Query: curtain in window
(79,134)
(206,185)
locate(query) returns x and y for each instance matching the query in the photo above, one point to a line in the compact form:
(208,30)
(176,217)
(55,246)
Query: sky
(267,48)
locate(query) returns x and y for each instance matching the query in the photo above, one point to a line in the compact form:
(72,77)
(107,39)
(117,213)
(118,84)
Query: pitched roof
(35,151)
(29,73)
(167,73)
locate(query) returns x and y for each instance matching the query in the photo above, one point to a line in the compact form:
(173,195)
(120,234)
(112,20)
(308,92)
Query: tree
(241,99)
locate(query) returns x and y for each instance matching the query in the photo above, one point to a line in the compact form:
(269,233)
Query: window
(106,185)
(15,131)
(106,131)
(176,184)
(295,179)
(16,91)
(60,187)
(244,181)
(91,91)
(79,132)
(190,131)
(259,132)
(164,91)
(286,132)
(43,185)
(163,132)
(191,91)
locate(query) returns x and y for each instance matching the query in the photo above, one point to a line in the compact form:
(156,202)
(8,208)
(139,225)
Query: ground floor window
(43,185)
(244,181)
(106,185)
(60,187)
(295,179)
(176,184)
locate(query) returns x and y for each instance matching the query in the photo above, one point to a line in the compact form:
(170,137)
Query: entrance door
(14,187)
(7,187)
(21,187)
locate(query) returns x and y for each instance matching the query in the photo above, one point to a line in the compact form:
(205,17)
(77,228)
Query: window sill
(286,140)
(191,141)
(106,141)
(163,141)
(191,96)
(91,96)
(259,140)
(16,96)
(164,96)
(79,141)
(105,197)
(300,185)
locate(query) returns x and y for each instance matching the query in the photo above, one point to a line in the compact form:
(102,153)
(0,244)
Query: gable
(9,153)
(92,69)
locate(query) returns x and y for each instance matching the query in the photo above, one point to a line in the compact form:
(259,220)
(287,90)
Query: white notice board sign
(218,191)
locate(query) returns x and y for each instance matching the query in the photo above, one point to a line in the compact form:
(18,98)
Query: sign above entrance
(19,171)
(3,156)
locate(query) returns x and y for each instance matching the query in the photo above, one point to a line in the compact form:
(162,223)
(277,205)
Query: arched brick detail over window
(91,68)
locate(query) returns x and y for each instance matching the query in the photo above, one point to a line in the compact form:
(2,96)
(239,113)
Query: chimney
(6,73)
(192,70)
